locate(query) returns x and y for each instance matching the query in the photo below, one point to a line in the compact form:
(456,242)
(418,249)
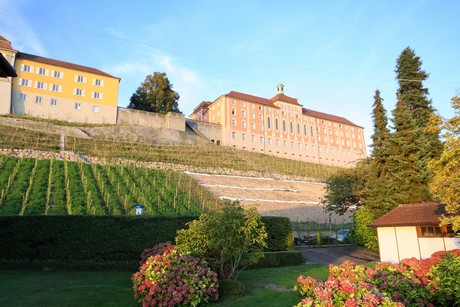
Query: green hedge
(279,259)
(103,238)
(280,236)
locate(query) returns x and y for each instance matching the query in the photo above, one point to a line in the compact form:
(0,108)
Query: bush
(171,278)
(231,287)
(444,279)
(279,233)
(279,259)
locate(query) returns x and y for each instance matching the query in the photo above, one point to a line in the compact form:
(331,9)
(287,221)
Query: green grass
(264,287)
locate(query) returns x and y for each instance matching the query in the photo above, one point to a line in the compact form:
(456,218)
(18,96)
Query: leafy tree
(155,94)
(446,181)
(231,238)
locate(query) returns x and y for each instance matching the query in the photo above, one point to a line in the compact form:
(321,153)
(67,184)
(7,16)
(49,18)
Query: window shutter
(52,73)
(60,88)
(83,92)
(94,81)
(45,86)
(76,78)
(101,96)
(22,67)
(36,84)
(93,94)
(61,75)
(102,82)
(47,72)
(75,91)
(84,79)
(31,69)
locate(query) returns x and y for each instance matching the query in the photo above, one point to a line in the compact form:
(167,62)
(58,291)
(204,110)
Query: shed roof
(421,214)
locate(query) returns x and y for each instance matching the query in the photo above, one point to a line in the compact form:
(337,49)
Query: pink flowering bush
(170,279)
(157,249)
(409,283)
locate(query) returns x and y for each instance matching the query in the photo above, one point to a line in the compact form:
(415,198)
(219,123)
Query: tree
(231,239)
(380,136)
(155,94)
(446,181)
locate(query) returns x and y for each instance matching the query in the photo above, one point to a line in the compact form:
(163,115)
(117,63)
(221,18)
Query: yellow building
(53,89)
(280,126)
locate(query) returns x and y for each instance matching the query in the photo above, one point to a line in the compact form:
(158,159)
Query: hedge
(280,259)
(92,239)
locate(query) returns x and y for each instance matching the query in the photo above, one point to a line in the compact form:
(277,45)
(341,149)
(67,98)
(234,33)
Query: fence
(319,234)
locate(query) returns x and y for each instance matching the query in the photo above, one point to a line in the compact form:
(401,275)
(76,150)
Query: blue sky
(331,55)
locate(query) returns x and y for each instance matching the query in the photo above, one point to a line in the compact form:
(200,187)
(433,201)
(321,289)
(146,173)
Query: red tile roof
(36,58)
(5,44)
(251,98)
(422,214)
(326,116)
(282,97)
(285,98)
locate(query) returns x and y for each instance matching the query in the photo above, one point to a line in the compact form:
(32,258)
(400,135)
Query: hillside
(293,190)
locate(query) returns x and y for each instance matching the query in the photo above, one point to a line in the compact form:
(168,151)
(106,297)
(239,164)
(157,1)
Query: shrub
(171,278)
(231,239)
(444,279)
(279,259)
(350,289)
(279,233)
(156,250)
(231,287)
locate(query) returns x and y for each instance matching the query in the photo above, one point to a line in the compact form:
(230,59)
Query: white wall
(397,243)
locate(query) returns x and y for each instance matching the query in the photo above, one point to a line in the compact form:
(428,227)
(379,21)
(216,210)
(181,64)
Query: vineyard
(201,156)
(55,187)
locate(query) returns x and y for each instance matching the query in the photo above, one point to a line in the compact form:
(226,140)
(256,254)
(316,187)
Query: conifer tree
(381,135)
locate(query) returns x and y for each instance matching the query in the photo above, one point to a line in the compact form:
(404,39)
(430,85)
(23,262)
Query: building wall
(212,132)
(397,243)
(6,84)
(267,129)
(62,93)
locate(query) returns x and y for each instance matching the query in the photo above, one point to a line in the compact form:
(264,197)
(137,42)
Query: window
(305,130)
(233,111)
(24,82)
(253,115)
(41,71)
(243,113)
(276,123)
(252,106)
(233,101)
(55,88)
(284,125)
(298,128)
(435,231)
(233,122)
(97,95)
(38,99)
(53,102)
(261,140)
(243,104)
(253,126)
(269,123)
(233,135)
(253,138)
(277,142)
(26,68)
(96,109)
(40,85)
(306,147)
(261,127)
(290,127)
(80,79)
(79,92)
(311,131)
(284,143)
(292,144)
(260,108)
(98,82)
(269,141)
(58,74)
(243,137)
(243,124)
(22,97)
(77,106)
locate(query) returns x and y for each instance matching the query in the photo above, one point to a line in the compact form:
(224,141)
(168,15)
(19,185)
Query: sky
(330,55)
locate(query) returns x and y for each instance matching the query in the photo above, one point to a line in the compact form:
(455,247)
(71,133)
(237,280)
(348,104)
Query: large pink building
(280,126)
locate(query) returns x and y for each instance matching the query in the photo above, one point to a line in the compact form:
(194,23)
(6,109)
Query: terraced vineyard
(54,187)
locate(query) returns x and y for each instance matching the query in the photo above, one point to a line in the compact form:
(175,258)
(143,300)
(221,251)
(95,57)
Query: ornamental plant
(444,279)
(171,278)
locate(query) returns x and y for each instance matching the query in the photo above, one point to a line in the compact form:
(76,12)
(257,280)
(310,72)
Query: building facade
(282,127)
(53,89)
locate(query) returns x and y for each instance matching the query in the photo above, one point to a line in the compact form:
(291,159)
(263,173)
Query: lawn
(265,287)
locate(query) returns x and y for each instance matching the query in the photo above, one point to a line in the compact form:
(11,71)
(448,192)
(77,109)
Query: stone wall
(213,132)
(131,117)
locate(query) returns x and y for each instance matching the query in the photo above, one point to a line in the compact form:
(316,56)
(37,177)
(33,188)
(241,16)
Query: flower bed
(411,283)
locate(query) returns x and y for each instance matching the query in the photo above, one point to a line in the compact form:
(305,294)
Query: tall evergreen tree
(380,136)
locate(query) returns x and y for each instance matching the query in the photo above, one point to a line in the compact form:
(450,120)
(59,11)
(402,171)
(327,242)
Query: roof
(36,58)
(6,70)
(421,214)
(282,97)
(326,116)
(5,44)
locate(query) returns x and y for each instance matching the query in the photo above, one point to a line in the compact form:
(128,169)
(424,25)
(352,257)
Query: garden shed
(412,230)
